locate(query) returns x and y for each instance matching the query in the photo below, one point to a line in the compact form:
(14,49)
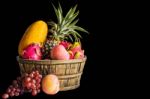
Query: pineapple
(49,44)
(64,29)
(50,41)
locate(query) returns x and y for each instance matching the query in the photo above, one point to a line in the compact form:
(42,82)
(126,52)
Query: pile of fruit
(47,40)
(56,41)
(33,83)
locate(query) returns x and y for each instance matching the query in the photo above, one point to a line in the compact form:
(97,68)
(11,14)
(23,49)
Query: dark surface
(101,19)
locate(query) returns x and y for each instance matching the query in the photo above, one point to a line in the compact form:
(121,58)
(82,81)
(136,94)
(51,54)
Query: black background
(101,19)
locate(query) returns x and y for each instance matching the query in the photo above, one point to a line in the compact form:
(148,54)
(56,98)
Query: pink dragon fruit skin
(65,44)
(32,52)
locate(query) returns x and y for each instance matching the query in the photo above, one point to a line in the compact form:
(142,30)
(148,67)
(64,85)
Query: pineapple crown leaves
(66,26)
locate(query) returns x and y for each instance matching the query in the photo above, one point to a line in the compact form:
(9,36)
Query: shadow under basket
(68,71)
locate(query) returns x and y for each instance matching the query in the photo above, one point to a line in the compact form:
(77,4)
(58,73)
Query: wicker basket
(68,71)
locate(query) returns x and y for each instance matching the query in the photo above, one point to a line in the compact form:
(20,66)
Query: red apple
(59,53)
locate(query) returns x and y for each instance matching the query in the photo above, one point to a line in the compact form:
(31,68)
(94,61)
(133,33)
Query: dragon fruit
(32,52)
(79,54)
(76,47)
(66,44)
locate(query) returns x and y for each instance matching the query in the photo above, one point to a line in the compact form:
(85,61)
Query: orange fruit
(50,84)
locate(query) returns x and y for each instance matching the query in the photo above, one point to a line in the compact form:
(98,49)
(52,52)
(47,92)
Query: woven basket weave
(68,71)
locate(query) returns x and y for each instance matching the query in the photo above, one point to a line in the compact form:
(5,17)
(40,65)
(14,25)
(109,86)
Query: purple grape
(16,94)
(34,92)
(26,83)
(11,94)
(8,90)
(5,96)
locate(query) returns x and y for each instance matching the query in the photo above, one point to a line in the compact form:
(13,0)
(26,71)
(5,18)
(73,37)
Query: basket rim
(45,61)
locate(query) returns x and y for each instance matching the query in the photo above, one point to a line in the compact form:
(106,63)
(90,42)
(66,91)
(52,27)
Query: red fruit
(32,52)
(28,79)
(33,86)
(18,90)
(59,53)
(13,89)
(79,54)
(38,86)
(5,96)
(28,85)
(76,47)
(33,81)
(38,90)
(71,54)
(38,80)
(11,94)
(31,75)
(65,44)
(34,92)
(8,90)
(16,94)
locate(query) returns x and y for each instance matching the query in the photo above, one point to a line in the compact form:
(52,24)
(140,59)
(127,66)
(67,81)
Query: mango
(35,33)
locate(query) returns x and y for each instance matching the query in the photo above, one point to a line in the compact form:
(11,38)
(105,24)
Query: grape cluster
(27,83)
(14,89)
(32,82)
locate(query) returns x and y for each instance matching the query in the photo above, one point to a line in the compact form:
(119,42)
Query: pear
(59,53)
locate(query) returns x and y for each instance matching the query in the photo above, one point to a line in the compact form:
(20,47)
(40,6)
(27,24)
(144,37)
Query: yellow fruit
(35,33)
